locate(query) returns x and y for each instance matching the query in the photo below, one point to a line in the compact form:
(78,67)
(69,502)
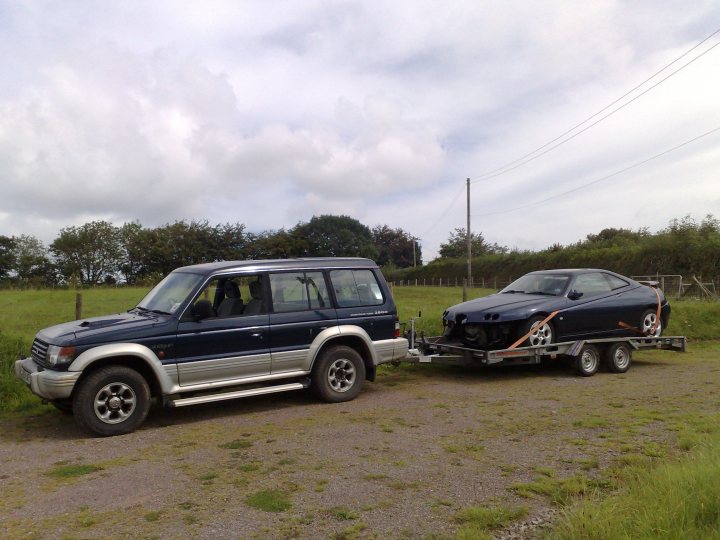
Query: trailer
(585,355)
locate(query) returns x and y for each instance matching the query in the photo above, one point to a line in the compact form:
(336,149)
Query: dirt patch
(400,461)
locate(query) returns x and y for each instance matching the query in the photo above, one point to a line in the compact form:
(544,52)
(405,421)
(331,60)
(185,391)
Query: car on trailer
(588,315)
(550,306)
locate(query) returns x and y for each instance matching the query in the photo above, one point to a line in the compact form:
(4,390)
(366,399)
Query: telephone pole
(469,237)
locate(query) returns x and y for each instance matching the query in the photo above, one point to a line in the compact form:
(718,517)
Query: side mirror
(202,309)
(574,295)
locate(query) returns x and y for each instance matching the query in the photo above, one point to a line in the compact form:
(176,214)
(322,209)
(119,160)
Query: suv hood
(106,328)
(503,307)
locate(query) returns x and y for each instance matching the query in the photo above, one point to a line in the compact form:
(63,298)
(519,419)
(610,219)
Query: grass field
(662,487)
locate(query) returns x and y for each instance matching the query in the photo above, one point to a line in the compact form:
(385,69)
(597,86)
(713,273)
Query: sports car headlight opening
(472,331)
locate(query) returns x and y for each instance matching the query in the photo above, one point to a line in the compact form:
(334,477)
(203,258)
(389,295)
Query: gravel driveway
(401,461)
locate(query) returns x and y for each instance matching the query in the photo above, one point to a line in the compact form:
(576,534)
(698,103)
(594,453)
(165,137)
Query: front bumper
(46,383)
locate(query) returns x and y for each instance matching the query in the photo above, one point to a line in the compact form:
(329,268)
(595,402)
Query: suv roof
(309,262)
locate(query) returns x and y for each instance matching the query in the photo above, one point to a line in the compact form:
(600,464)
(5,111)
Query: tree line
(100,252)
(684,247)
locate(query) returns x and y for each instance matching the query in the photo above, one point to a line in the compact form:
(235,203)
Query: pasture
(424,452)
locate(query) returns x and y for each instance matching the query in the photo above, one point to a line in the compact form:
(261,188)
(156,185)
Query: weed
(477,521)
(73,471)
(341,513)
(152,516)
(237,444)
(270,500)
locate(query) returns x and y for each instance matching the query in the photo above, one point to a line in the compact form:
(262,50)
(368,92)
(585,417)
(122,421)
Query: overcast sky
(268,113)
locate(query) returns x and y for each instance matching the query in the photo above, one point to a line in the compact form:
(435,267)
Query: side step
(209,398)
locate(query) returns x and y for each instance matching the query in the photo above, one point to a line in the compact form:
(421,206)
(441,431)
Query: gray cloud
(268,114)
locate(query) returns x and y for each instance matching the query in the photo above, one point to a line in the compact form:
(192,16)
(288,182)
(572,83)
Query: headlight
(60,355)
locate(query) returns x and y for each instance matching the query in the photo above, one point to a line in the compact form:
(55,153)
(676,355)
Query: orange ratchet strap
(546,319)
(622,324)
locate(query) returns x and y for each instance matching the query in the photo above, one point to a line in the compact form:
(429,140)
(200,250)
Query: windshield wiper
(543,293)
(513,292)
(159,311)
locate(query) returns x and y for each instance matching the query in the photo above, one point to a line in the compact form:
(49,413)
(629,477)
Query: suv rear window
(356,288)
(297,291)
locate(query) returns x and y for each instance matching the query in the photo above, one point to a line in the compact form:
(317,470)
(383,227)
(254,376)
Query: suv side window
(298,291)
(228,296)
(356,288)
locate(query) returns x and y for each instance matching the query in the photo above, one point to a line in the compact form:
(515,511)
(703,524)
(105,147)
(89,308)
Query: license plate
(25,376)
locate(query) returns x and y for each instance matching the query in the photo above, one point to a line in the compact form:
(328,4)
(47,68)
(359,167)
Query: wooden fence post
(78,306)
(465,284)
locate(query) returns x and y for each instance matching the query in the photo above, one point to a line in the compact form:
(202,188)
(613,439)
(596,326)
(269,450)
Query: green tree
(133,250)
(274,245)
(396,247)
(335,236)
(91,252)
(33,264)
(7,256)
(456,246)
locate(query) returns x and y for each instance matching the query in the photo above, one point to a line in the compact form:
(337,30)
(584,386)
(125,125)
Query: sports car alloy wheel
(649,320)
(542,335)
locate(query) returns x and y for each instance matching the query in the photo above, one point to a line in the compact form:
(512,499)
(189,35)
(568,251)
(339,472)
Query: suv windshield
(549,284)
(169,294)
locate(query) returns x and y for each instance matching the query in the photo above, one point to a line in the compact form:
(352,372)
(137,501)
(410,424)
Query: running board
(209,398)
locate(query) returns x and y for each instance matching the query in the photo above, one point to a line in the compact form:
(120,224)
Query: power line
(452,202)
(598,180)
(527,158)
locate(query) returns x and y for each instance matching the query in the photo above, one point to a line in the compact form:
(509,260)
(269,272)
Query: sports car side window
(592,284)
(616,282)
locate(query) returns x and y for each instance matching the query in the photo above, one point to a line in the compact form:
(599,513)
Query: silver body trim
(52,385)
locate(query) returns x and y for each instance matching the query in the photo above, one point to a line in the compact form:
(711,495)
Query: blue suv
(220,331)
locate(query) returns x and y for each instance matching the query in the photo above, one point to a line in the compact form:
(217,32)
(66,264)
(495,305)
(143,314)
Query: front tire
(111,401)
(588,361)
(542,335)
(338,374)
(648,320)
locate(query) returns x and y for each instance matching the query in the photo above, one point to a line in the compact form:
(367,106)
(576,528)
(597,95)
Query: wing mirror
(574,295)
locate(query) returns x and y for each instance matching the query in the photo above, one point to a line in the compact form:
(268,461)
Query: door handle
(257,335)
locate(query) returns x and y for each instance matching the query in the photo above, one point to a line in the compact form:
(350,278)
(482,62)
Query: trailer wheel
(618,358)
(588,361)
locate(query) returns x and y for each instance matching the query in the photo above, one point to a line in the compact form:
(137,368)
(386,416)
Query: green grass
(269,500)
(478,521)
(237,444)
(72,471)
(677,499)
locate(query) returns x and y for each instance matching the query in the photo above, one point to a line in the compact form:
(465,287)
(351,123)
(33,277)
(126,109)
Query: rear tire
(618,358)
(588,361)
(111,401)
(338,374)
(648,319)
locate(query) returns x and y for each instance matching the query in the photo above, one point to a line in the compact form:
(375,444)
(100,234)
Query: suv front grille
(39,352)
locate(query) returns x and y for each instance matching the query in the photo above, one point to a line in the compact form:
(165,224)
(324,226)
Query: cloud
(268,114)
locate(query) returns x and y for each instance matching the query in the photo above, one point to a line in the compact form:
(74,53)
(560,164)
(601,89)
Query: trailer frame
(585,353)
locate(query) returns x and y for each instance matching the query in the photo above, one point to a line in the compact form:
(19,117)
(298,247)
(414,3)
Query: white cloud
(270,113)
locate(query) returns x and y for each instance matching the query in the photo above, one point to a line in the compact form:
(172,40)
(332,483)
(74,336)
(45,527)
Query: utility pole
(414,258)
(469,237)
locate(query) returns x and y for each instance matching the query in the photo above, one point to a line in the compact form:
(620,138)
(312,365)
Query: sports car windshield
(547,284)
(167,296)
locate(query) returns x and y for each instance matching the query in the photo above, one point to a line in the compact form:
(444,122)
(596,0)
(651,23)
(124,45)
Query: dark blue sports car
(551,306)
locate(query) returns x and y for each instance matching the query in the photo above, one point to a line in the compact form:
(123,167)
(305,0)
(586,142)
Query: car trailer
(586,355)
